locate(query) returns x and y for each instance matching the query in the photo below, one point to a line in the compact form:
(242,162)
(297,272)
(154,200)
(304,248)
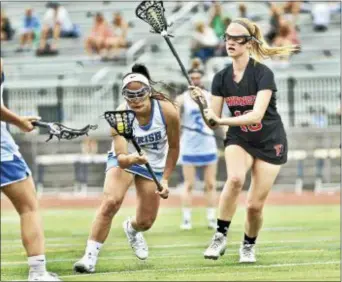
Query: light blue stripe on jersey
(134,169)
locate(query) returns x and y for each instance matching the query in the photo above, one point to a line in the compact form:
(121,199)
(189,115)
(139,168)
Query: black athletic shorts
(272,152)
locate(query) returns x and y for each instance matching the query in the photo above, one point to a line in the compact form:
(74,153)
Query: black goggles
(240,39)
(135,95)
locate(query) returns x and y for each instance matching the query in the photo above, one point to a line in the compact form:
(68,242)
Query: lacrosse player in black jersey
(256,138)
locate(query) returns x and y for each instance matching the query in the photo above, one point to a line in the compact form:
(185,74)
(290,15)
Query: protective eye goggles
(136,95)
(240,39)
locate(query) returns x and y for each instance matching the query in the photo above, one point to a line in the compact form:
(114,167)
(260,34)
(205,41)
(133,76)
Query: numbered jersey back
(192,141)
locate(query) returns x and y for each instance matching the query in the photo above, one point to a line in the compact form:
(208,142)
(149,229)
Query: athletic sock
(249,240)
(93,248)
(223,226)
(211,214)
(187,214)
(37,263)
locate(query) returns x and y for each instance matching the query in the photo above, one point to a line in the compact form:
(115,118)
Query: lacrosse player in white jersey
(198,149)
(17,184)
(156,129)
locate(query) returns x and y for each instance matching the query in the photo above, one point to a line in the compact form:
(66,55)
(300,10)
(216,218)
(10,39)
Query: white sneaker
(186,225)
(136,241)
(45,276)
(247,253)
(212,224)
(217,247)
(86,264)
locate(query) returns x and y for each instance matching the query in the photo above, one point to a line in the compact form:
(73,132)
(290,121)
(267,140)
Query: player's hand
(25,123)
(197,95)
(138,159)
(165,192)
(210,115)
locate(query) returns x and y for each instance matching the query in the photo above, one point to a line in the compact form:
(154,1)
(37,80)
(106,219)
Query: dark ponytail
(142,69)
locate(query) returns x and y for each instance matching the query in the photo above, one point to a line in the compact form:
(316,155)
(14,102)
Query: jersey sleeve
(266,80)
(216,86)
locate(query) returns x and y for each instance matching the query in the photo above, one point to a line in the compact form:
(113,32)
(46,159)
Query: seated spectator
(320,16)
(6,29)
(56,21)
(204,42)
(276,14)
(216,21)
(29,30)
(118,40)
(292,10)
(96,41)
(293,34)
(243,11)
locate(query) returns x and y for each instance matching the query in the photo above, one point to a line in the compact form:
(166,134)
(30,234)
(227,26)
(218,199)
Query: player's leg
(23,196)
(263,177)
(116,184)
(189,174)
(210,190)
(146,213)
(238,162)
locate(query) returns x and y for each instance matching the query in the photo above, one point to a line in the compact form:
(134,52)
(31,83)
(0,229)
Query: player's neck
(240,63)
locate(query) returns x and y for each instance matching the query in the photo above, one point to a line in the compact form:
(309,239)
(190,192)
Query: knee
(254,209)
(188,185)
(28,207)
(210,185)
(110,206)
(145,223)
(236,181)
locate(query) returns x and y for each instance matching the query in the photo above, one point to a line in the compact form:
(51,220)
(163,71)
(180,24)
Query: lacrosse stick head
(152,12)
(63,132)
(122,122)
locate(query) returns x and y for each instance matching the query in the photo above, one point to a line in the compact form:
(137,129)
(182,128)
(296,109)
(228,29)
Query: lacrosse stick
(152,12)
(122,122)
(61,131)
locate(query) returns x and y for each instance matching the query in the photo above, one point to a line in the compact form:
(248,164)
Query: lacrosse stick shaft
(40,124)
(149,168)
(174,52)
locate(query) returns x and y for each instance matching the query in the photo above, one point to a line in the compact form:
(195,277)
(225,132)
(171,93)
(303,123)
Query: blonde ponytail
(260,49)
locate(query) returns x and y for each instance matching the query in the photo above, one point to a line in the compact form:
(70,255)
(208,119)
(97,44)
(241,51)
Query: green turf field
(297,243)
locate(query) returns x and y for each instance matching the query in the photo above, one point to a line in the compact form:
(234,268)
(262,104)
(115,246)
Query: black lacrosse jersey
(240,98)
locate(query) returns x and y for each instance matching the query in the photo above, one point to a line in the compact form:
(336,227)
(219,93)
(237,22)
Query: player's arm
(255,116)
(173,132)
(6,115)
(120,145)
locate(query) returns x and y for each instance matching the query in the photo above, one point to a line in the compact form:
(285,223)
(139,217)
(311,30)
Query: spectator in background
(291,10)
(29,30)
(204,42)
(6,29)
(276,13)
(118,39)
(320,16)
(96,41)
(216,21)
(243,11)
(58,22)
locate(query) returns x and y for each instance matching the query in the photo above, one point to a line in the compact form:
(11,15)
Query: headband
(246,27)
(137,77)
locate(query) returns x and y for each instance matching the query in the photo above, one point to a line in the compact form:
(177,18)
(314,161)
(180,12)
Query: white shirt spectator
(208,38)
(62,18)
(321,14)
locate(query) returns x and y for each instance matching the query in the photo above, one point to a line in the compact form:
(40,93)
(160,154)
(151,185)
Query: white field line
(203,268)
(19,245)
(197,253)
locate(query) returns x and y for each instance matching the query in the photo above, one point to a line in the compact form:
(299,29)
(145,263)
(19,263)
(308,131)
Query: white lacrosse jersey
(8,146)
(152,138)
(197,138)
